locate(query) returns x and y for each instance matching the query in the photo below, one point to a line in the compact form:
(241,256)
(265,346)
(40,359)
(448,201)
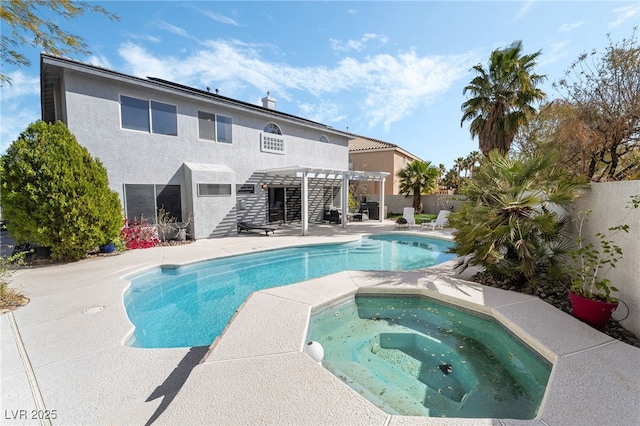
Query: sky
(388,70)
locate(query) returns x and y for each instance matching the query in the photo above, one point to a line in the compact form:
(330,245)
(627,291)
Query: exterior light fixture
(315,351)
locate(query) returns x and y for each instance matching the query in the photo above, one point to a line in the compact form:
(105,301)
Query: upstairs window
(214,127)
(272,140)
(145,116)
(164,119)
(135,113)
(223,128)
(324,139)
(272,128)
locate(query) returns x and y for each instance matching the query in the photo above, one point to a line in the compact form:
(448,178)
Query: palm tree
(457,164)
(501,97)
(417,178)
(510,225)
(475,158)
(442,169)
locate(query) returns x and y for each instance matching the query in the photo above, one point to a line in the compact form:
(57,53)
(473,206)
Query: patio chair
(439,222)
(246,226)
(334,216)
(409,214)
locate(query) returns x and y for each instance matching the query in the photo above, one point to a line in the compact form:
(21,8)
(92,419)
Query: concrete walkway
(63,354)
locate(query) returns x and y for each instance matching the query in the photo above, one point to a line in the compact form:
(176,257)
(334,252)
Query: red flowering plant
(138,234)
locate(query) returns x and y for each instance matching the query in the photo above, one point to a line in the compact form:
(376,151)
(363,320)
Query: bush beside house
(55,194)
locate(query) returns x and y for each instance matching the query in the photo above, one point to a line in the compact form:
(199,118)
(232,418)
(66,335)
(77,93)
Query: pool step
(441,368)
(368,246)
(397,396)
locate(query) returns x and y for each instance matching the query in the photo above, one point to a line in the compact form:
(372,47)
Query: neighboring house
(197,154)
(376,155)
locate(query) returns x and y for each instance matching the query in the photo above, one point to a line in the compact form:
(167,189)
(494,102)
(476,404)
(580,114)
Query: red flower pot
(593,312)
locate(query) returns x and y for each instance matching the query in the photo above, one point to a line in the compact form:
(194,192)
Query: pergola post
(345,200)
(381,206)
(305,203)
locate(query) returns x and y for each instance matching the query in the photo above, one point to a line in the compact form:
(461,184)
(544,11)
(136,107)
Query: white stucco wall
(431,203)
(608,202)
(91,103)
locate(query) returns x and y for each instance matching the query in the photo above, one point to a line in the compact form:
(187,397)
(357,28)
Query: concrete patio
(64,351)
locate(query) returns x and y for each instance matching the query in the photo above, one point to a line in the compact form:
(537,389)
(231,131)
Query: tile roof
(366,144)
(362,144)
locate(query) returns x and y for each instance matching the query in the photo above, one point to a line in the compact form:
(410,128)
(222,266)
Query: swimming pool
(191,305)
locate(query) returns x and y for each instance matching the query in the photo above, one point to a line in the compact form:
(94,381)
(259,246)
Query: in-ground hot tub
(411,355)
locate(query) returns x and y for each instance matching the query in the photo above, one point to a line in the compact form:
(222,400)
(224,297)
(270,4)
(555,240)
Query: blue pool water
(414,356)
(191,305)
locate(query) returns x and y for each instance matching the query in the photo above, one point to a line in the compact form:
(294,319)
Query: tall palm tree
(501,97)
(443,170)
(417,178)
(457,164)
(476,159)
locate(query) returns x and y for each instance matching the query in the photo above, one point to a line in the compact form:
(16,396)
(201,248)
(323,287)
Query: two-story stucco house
(197,154)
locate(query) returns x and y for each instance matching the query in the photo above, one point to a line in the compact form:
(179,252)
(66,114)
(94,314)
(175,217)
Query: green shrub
(55,194)
(510,224)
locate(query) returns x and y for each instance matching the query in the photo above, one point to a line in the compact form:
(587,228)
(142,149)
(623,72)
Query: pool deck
(64,351)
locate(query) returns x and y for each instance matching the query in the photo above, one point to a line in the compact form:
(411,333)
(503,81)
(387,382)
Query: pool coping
(575,349)
(256,372)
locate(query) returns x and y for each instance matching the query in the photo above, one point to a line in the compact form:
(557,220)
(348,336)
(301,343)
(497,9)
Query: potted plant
(167,227)
(108,247)
(182,229)
(591,291)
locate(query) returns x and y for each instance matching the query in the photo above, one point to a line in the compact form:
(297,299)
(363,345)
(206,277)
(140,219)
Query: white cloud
(357,45)
(144,37)
(100,61)
(395,86)
(173,29)
(570,27)
(625,13)
(323,111)
(143,64)
(21,85)
(380,89)
(523,10)
(220,18)
(555,51)
(16,117)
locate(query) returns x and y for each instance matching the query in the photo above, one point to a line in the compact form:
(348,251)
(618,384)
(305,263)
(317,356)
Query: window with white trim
(272,140)
(214,127)
(142,201)
(214,189)
(148,116)
(324,139)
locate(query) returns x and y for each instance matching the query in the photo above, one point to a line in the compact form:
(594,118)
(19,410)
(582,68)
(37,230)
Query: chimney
(269,102)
